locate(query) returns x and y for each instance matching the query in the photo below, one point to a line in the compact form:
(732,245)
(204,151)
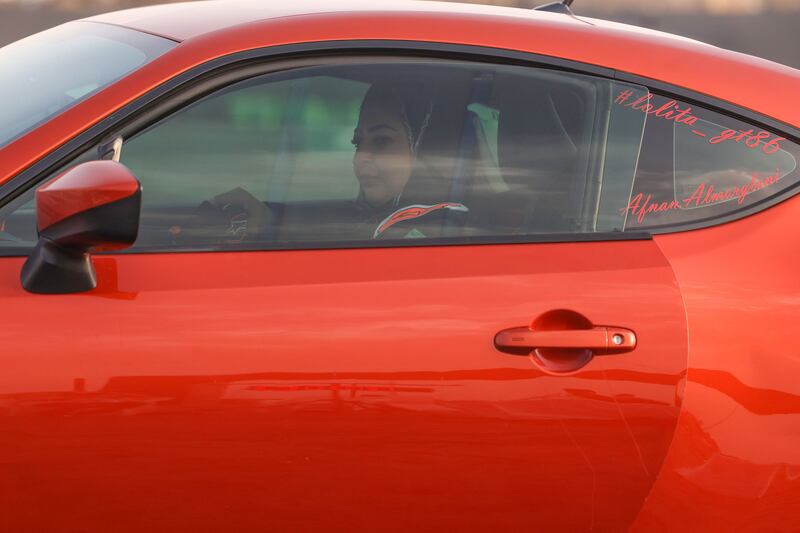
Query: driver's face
(382,162)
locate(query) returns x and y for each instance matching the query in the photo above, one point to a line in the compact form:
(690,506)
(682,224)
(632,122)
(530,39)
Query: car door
(485,353)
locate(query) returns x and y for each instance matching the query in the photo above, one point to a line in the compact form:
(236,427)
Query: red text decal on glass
(672,111)
(704,195)
(669,111)
(751,140)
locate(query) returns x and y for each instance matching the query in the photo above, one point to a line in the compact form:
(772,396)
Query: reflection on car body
(400,266)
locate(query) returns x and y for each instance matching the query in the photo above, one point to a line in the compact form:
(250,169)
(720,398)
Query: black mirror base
(51,269)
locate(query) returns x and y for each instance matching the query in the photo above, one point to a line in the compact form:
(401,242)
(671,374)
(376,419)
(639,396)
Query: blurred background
(765,28)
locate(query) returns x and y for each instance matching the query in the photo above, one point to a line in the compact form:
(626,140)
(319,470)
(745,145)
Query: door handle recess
(600,340)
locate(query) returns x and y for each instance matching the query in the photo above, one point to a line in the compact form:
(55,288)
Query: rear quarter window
(696,164)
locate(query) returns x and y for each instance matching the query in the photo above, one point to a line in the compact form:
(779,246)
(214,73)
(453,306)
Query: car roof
(748,81)
(181,21)
(184,20)
(190,20)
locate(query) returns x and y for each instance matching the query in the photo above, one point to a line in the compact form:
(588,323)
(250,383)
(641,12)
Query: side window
(390,152)
(281,139)
(251,136)
(385,151)
(697,164)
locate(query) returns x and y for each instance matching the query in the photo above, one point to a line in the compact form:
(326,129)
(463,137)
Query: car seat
(537,158)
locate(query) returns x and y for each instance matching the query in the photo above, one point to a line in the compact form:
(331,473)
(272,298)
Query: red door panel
(341,388)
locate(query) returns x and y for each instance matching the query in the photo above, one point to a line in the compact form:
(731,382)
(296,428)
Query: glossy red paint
(340,388)
(735,460)
(361,388)
(81,188)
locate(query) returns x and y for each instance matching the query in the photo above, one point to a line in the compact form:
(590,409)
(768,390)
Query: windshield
(44,74)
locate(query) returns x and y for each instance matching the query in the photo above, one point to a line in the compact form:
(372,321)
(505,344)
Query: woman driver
(387,138)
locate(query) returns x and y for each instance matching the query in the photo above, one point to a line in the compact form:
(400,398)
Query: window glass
(251,136)
(391,152)
(48,72)
(385,151)
(697,164)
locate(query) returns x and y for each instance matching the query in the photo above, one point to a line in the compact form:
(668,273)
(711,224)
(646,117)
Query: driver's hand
(249,216)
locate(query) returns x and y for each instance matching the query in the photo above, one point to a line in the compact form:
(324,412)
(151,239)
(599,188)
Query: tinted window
(696,164)
(402,150)
(392,152)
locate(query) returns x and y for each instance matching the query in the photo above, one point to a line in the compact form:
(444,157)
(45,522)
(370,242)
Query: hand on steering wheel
(231,217)
(246,216)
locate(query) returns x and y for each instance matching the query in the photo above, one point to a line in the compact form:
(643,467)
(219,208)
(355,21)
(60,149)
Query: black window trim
(214,74)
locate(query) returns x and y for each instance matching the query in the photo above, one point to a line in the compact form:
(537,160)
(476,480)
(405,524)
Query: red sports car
(395,266)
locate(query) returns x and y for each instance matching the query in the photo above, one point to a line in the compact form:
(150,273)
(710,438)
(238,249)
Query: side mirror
(92,207)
